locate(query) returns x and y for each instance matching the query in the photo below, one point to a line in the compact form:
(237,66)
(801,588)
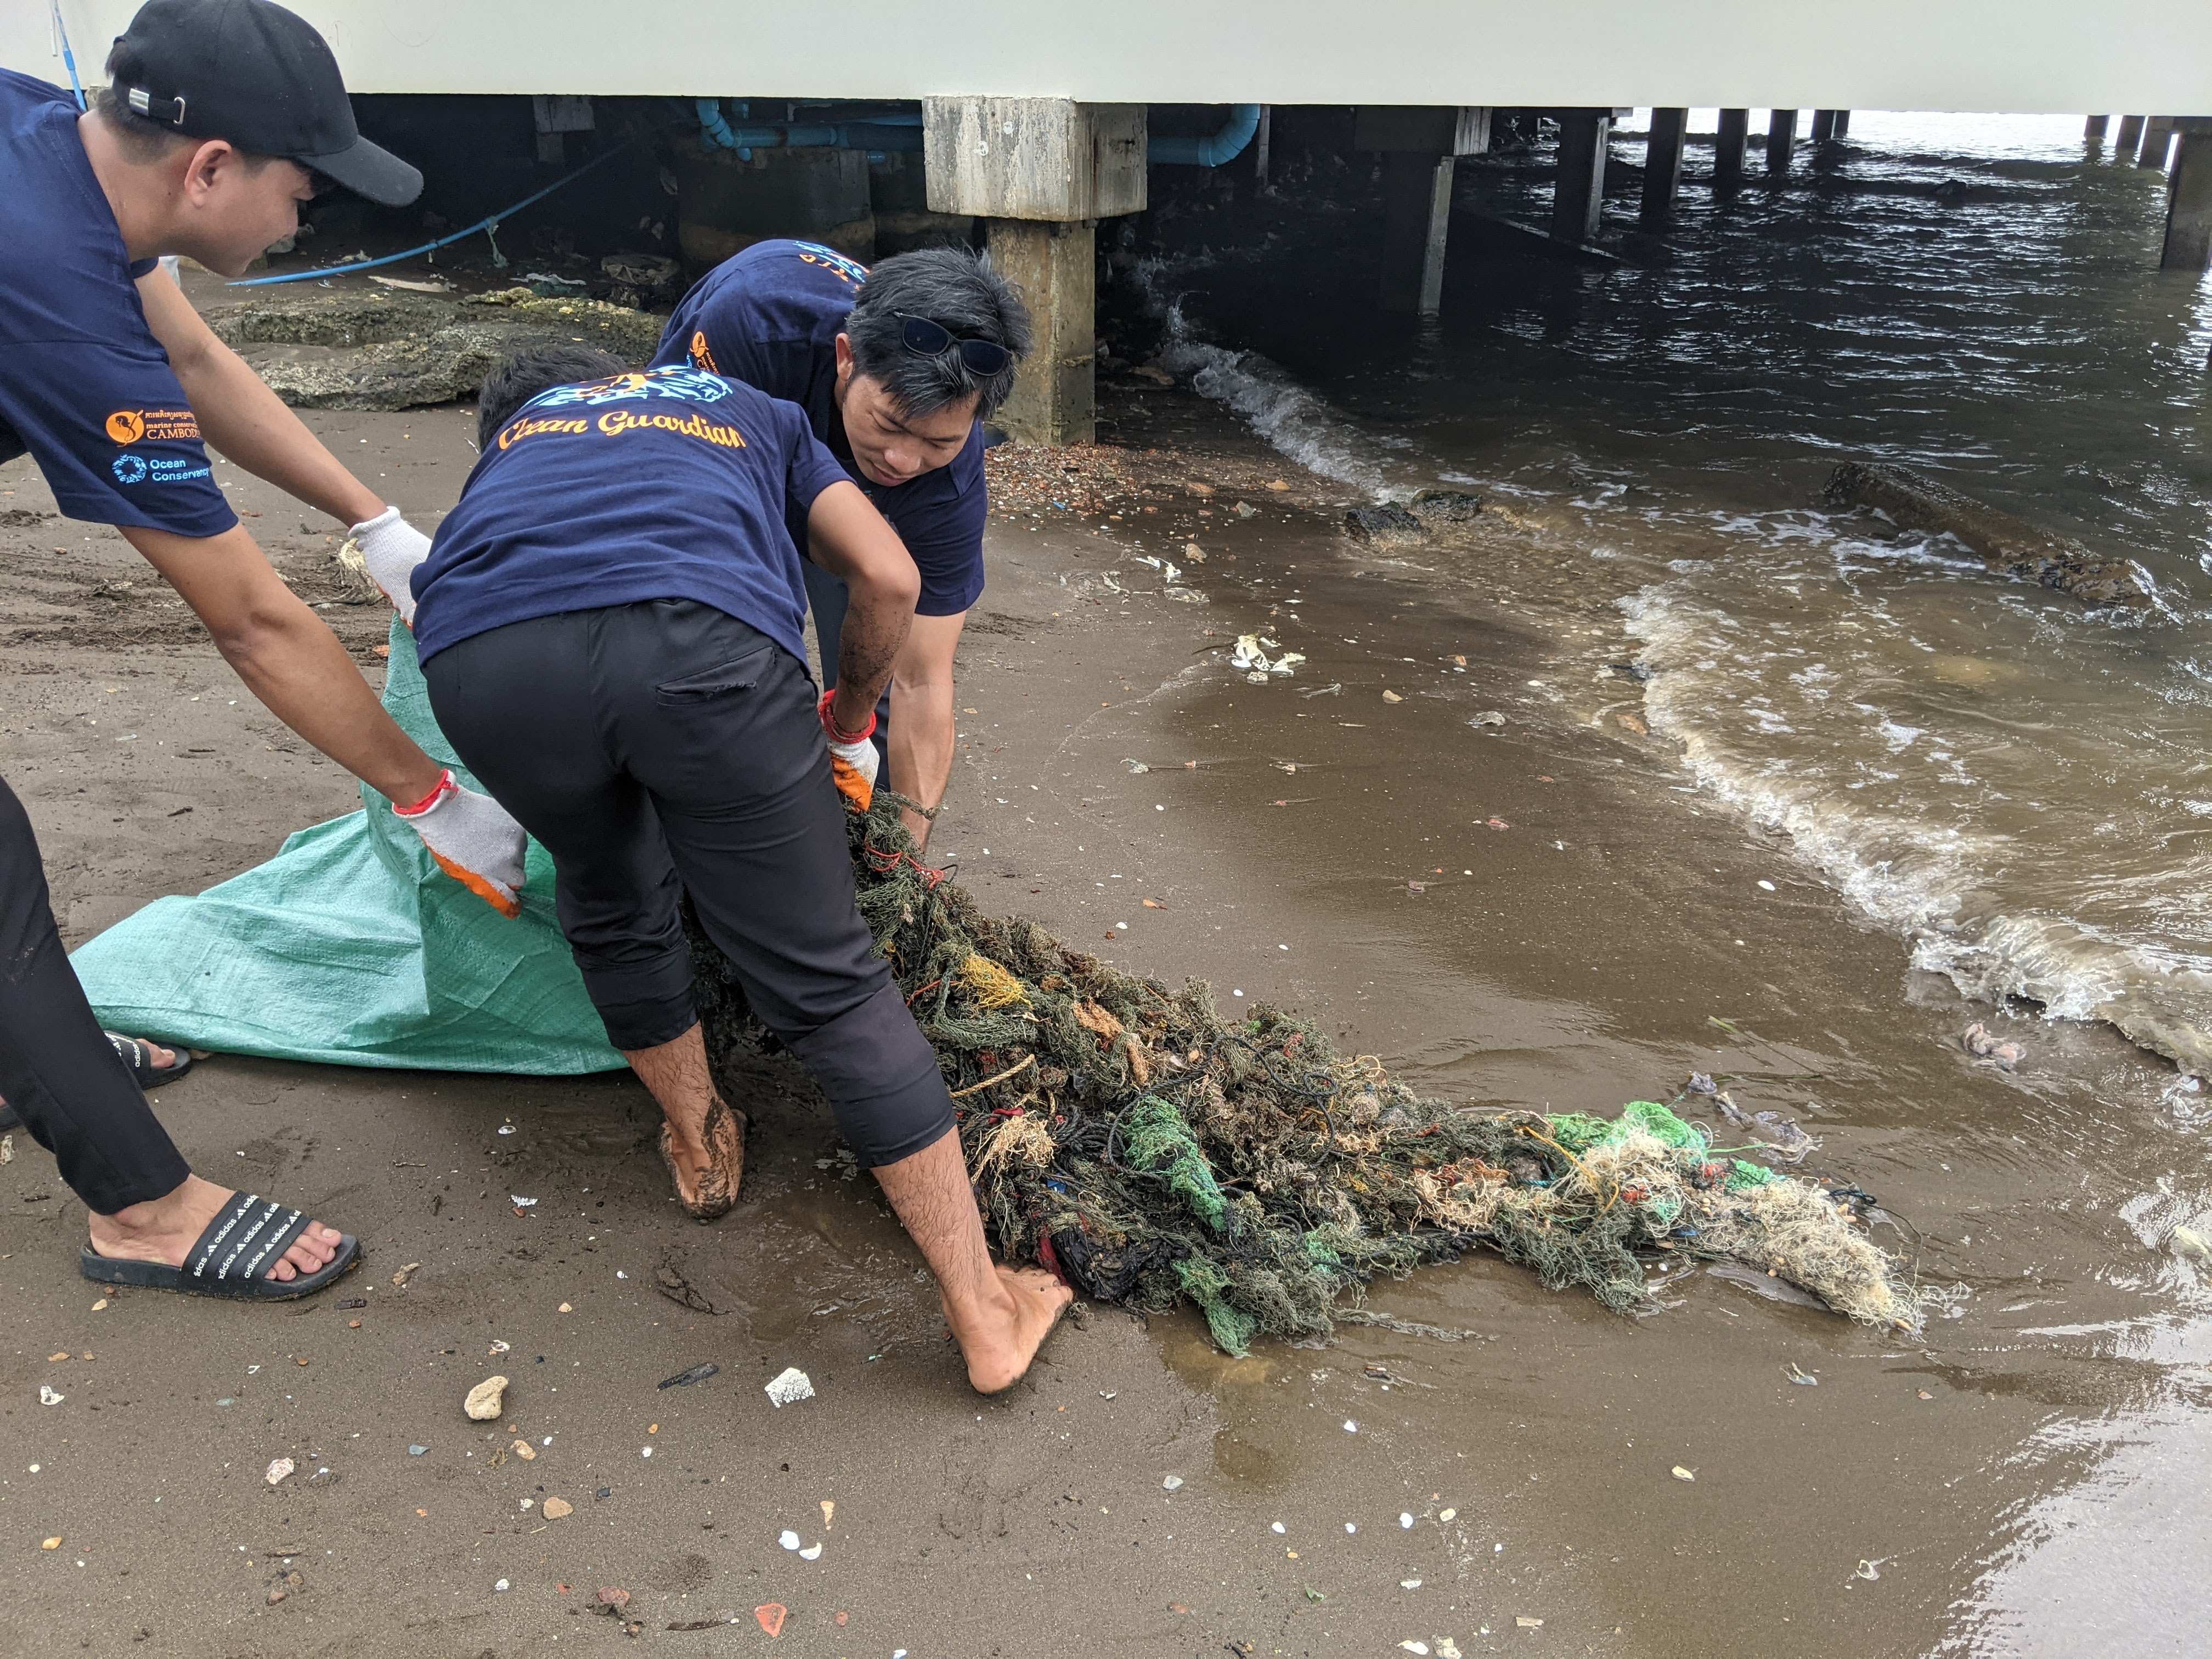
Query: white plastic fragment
(1278,1526)
(49,1397)
(787,1387)
(521,1203)
(277,1469)
(500,1585)
(1351,1525)
(1446,1648)
(1415,1647)
(1171,1482)
(645,1451)
(1351,1427)
(1405,1520)
(1681,1474)
(1409,1583)
(811,1552)
(1448,1515)
(788,1538)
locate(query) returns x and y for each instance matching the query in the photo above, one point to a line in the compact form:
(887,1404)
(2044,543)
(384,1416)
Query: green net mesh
(1153,1152)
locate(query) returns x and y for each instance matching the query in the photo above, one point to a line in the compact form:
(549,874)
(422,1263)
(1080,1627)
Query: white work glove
(392,548)
(853,760)
(473,840)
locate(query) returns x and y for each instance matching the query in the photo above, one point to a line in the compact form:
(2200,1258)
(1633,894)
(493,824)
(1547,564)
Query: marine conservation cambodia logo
(131,426)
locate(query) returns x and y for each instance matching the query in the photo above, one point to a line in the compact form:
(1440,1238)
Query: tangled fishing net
(1150,1151)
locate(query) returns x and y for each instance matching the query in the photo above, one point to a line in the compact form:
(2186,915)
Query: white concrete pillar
(1043,172)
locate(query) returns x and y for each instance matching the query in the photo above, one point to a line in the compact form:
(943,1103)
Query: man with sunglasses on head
(898,367)
(220,115)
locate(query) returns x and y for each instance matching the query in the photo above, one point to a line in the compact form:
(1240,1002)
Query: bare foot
(164,1229)
(707,1163)
(1011,1327)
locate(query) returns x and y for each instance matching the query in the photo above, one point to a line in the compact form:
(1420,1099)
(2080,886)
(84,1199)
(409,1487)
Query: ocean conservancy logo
(157,468)
(131,426)
(616,401)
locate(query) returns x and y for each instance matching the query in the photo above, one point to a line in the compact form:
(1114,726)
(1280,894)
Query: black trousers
(58,1069)
(664,747)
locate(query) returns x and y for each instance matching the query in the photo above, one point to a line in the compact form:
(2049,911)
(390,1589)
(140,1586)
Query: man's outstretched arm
(922,735)
(292,662)
(243,419)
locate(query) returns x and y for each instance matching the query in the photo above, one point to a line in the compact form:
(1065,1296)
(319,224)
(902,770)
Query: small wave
(1923,881)
(1294,420)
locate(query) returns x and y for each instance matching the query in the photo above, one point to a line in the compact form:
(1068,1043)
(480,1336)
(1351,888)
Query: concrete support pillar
(2157,140)
(1842,125)
(2188,204)
(1042,172)
(1417,189)
(2130,136)
(1580,192)
(1728,151)
(1420,144)
(1662,166)
(1781,139)
(2094,133)
(1263,142)
(1055,264)
(1823,126)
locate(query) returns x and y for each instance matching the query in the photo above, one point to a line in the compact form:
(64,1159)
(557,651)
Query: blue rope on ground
(488,222)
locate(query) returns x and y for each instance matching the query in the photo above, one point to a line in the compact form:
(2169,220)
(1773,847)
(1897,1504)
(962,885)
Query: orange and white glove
(853,759)
(392,548)
(473,840)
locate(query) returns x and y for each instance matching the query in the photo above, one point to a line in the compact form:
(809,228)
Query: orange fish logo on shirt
(126,426)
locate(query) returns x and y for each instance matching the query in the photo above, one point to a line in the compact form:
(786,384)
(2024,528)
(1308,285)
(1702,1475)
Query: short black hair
(961,292)
(530,369)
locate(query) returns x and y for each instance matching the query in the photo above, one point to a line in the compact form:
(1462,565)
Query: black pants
(664,747)
(58,1069)
(827,598)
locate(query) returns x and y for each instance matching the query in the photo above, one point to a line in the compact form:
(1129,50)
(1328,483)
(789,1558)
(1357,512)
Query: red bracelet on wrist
(838,735)
(445,783)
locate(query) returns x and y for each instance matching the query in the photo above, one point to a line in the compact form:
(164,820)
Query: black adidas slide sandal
(248,1235)
(136,1053)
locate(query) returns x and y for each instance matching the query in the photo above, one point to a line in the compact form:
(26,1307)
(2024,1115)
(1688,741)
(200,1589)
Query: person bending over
(897,369)
(609,623)
(221,115)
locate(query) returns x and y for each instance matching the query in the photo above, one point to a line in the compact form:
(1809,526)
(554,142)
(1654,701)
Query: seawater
(2017,785)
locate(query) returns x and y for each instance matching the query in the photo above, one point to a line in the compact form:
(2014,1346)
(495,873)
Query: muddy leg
(999,1316)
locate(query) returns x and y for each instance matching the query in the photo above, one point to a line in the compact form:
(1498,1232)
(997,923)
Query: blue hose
(880,134)
(484,223)
(69,57)
(1211,151)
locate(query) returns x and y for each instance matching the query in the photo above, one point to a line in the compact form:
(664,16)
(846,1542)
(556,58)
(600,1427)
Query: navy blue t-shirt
(84,385)
(670,484)
(770,317)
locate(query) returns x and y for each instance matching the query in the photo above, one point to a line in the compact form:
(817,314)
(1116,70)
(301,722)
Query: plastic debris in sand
(788,1387)
(278,1469)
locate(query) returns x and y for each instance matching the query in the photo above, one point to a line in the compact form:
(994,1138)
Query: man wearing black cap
(220,115)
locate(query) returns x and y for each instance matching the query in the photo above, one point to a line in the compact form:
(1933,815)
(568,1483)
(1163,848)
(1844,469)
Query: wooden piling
(2189,203)
(1579,195)
(1728,151)
(1662,166)
(1781,139)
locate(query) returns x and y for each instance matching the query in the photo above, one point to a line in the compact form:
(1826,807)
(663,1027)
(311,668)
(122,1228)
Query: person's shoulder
(17,89)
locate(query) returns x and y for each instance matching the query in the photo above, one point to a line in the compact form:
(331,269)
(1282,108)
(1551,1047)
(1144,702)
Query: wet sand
(2018,1480)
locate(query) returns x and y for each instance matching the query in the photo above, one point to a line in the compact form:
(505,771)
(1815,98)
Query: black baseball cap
(259,77)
